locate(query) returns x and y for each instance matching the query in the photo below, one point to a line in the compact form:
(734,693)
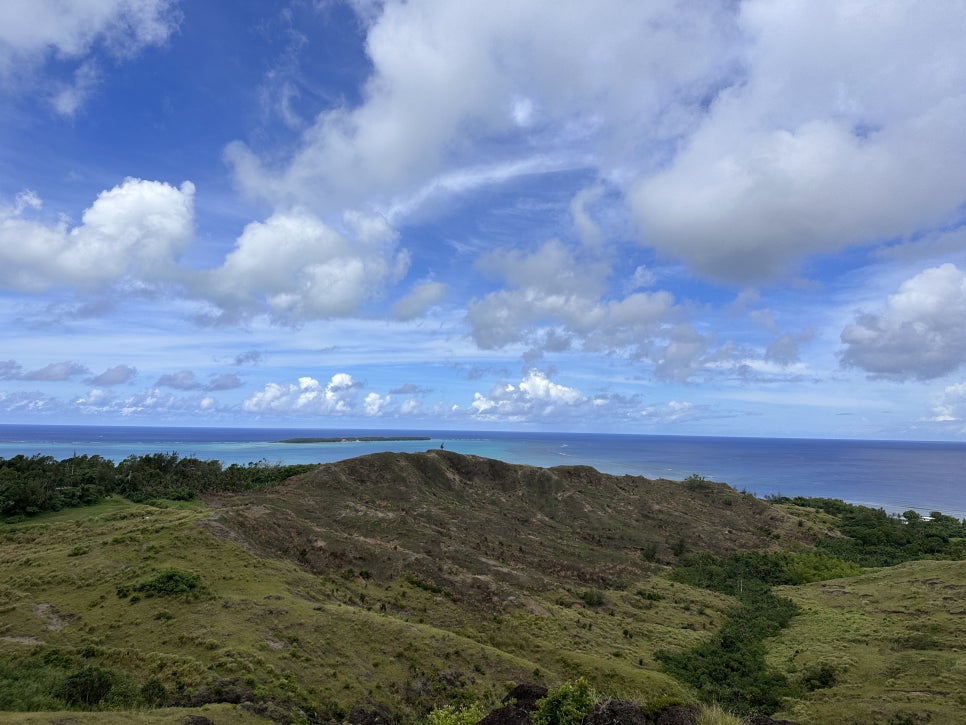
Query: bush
(456,715)
(569,704)
(171,581)
(154,693)
(818,677)
(86,687)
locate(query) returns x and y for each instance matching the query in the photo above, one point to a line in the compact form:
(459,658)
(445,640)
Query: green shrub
(456,715)
(86,687)
(818,677)
(153,693)
(171,581)
(569,704)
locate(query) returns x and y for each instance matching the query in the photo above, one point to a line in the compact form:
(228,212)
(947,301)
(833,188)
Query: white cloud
(33,31)
(554,299)
(548,79)
(70,97)
(845,130)
(920,334)
(536,396)
(299,268)
(951,405)
(587,229)
(150,404)
(339,396)
(674,411)
(375,403)
(138,228)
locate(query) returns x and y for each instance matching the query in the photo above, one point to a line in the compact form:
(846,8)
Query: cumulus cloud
(137,228)
(553,299)
(740,150)
(549,81)
(117,375)
(339,396)
(817,150)
(920,334)
(296,267)
(537,397)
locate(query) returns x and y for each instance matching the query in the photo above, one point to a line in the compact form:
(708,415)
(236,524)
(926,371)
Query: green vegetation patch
(873,538)
(30,485)
(731,667)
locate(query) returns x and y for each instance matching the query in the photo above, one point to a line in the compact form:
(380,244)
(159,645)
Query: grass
(894,638)
(420,581)
(168,716)
(293,638)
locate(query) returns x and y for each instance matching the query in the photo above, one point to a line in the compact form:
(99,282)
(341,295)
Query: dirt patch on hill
(54,620)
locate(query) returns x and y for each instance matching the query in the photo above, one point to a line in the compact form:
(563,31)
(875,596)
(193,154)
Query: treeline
(874,538)
(30,485)
(730,668)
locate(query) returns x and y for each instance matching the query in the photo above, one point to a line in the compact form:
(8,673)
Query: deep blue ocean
(894,475)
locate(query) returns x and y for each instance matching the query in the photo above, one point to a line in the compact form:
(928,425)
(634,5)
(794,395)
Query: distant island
(357,439)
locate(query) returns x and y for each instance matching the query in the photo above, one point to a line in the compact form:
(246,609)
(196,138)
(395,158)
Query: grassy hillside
(418,580)
(895,639)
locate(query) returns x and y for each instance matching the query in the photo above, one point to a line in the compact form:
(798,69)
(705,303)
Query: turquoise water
(896,475)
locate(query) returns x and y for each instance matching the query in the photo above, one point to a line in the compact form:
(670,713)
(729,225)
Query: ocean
(894,475)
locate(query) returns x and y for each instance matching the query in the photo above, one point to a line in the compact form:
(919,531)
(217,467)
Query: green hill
(413,581)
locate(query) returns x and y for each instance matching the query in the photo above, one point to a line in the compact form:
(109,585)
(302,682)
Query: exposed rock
(197,720)
(679,715)
(617,712)
(370,715)
(509,715)
(525,696)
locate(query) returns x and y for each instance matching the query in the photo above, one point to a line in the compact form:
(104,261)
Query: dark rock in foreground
(617,712)
(525,697)
(508,715)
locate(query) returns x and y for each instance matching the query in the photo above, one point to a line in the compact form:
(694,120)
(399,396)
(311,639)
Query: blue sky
(706,218)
